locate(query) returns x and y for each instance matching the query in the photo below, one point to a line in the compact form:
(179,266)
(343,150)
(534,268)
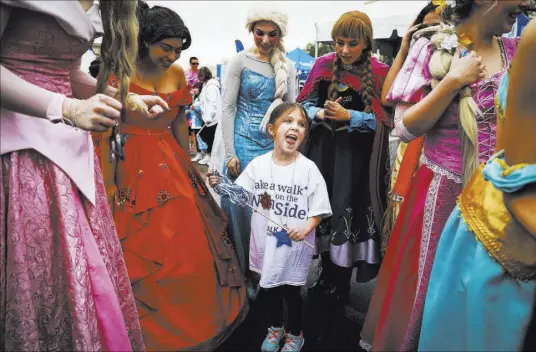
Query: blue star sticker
(282,238)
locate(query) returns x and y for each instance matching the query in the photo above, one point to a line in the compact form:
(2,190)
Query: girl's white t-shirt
(298,191)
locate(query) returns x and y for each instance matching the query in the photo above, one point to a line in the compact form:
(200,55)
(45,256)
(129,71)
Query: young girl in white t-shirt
(288,189)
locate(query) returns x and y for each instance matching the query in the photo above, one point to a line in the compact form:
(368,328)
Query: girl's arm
(299,234)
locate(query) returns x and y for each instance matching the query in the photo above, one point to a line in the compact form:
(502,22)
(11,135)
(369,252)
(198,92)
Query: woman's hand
(213,181)
(406,40)
(466,70)
(298,234)
(233,166)
(321,114)
(151,106)
(97,113)
(335,111)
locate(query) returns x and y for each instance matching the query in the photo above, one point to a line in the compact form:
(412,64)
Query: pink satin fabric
(66,286)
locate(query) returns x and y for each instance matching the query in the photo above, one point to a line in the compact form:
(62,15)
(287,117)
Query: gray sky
(214,25)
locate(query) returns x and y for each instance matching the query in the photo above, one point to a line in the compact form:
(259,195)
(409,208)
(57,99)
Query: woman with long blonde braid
(257,81)
(458,119)
(64,284)
(348,143)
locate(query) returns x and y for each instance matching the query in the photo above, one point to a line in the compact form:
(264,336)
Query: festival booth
(303,63)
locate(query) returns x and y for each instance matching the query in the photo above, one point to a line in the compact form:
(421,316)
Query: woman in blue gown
(482,291)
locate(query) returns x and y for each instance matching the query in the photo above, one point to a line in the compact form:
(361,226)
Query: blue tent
(302,61)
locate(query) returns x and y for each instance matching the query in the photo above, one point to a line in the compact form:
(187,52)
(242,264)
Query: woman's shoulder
(177,70)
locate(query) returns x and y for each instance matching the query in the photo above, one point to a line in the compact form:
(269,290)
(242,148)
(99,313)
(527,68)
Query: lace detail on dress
(441,171)
(486,121)
(428,221)
(367,346)
(402,131)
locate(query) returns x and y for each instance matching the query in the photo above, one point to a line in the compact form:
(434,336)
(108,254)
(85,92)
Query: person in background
(185,275)
(196,123)
(192,73)
(210,107)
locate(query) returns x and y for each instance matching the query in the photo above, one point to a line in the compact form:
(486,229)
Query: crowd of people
(111,239)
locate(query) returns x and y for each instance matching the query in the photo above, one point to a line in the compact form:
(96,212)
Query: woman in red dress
(184,273)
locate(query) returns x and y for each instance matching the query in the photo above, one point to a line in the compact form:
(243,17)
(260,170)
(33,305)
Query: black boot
(324,282)
(341,291)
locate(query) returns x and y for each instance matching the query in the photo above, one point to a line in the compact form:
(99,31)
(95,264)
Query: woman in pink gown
(64,284)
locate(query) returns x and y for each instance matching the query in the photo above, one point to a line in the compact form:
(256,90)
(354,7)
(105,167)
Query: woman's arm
(291,84)
(520,125)
(230,96)
(179,128)
(26,98)
(422,117)
(397,65)
(520,121)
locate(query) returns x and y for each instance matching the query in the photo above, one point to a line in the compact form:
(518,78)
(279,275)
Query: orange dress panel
(182,266)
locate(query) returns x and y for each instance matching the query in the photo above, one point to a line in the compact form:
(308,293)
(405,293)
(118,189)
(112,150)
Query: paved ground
(325,328)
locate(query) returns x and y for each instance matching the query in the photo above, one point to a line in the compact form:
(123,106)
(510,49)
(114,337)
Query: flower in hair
(466,39)
(450,42)
(441,4)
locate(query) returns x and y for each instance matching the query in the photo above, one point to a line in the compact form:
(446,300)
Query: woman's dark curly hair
(430,7)
(459,12)
(157,23)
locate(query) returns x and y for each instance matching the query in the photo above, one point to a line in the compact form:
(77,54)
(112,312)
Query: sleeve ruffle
(414,79)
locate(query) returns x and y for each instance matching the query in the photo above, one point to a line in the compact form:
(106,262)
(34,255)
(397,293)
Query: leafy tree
(323,49)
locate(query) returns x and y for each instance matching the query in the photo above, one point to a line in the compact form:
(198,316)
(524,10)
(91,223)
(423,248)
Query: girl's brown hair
(355,24)
(283,109)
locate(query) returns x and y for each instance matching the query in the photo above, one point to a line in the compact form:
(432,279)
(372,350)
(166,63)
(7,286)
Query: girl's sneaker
(293,343)
(272,340)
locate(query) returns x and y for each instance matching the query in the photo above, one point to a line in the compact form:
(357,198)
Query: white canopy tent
(386,16)
(383,27)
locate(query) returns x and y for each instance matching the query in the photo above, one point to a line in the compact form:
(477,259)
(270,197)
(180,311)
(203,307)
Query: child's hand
(213,181)
(298,234)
